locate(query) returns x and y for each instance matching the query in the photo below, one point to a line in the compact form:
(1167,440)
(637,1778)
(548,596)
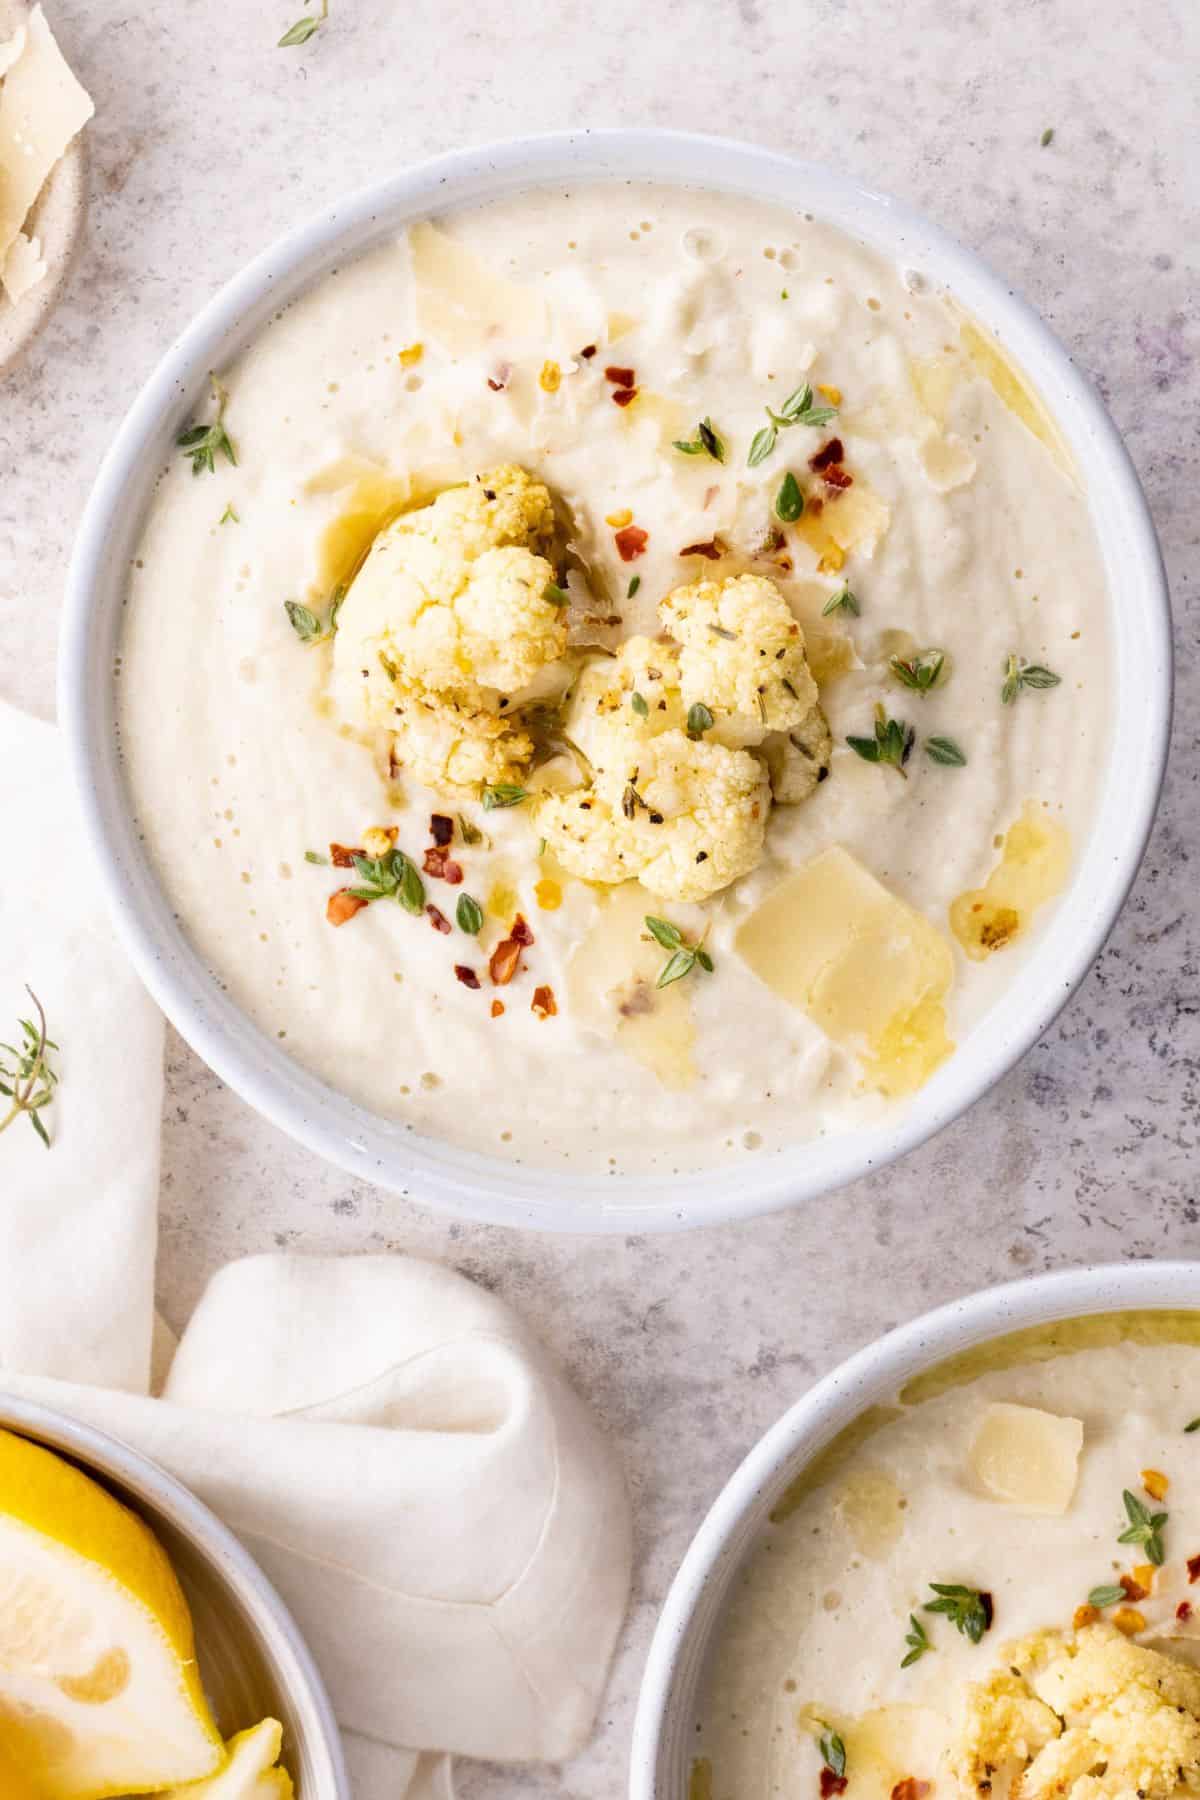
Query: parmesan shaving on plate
(42,108)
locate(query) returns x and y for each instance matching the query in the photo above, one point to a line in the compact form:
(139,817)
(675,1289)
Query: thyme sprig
(1020,674)
(891,745)
(389,877)
(1144,1528)
(303,29)
(919,672)
(684,957)
(833,1752)
(842,601)
(797,409)
(707,442)
(27,1082)
(204,443)
(968,1609)
(308,626)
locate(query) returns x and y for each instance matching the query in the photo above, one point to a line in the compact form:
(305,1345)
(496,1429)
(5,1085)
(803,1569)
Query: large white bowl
(382,1150)
(664,1730)
(253,1662)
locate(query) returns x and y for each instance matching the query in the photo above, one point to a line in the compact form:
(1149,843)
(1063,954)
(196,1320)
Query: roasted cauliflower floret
(741,654)
(620,701)
(684,816)
(446,747)
(456,601)
(1083,1716)
(798,760)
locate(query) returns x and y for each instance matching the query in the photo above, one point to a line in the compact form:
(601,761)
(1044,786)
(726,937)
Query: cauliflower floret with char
(683,816)
(448,747)
(741,654)
(603,718)
(1083,1716)
(798,760)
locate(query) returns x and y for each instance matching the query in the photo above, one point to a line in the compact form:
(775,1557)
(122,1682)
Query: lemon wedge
(250,1773)
(99,1690)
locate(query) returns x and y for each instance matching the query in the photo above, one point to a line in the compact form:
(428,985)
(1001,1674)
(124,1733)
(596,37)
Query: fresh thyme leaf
(635,582)
(833,1752)
(1020,674)
(1194,1425)
(917,1639)
(204,443)
(664,933)
(314,856)
(229,516)
(761,445)
(638,703)
(471,834)
(699,719)
(503,793)
(789,501)
(680,964)
(27,1080)
(920,672)
(891,745)
(631,800)
(704,959)
(469,915)
(707,442)
(843,601)
(555,595)
(303,29)
(1047,136)
(1106,1596)
(944,750)
(308,627)
(968,1609)
(410,890)
(1144,1528)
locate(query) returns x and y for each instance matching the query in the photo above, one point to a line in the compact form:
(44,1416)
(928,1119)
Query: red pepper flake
(832,1784)
(1133,1588)
(837,478)
(587,353)
(543,1003)
(520,933)
(1193,1568)
(502,964)
(498,1005)
(621,378)
(713,548)
(831,452)
(341,906)
(624,396)
(440,864)
(500,380)
(631,540)
(467,976)
(342,857)
(441,828)
(910,1789)
(1183,1611)
(438,920)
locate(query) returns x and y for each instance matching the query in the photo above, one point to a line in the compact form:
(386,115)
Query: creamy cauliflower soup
(986,1588)
(617,678)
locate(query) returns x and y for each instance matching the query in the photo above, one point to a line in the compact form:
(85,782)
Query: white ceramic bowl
(482,1187)
(664,1730)
(253,1662)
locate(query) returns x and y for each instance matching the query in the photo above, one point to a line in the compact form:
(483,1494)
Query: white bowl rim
(875,1372)
(148,1480)
(463,1183)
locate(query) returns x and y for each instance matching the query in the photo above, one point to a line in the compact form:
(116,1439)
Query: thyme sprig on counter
(684,957)
(1020,674)
(1144,1528)
(27,1081)
(204,443)
(968,1609)
(303,29)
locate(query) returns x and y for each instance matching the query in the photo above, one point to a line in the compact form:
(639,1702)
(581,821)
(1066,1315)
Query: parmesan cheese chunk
(42,107)
(1027,1458)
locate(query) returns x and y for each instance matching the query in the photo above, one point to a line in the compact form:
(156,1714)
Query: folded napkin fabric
(435,1505)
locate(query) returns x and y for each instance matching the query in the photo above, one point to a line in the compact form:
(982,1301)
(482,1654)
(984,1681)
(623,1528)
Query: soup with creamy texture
(616,678)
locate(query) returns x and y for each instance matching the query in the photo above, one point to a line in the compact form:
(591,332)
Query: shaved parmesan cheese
(42,107)
(23,267)
(1027,1458)
(463,304)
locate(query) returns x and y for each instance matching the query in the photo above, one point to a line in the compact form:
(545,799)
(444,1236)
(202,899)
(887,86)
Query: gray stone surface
(208,142)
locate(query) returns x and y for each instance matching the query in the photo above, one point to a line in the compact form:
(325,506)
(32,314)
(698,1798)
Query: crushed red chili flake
(713,548)
(910,1789)
(467,976)
(543,1003)
(342,905)
(440,864)
(502,964)
(588,351)
(1193,1568)
(622,378)
(623,396)
(1133,1588)
(342,856)
(1183,1611)
(831,1784)
(831,452)
(837,478)
(499,381)
(441,828)
(438,919)
(520,933)
(497,1008)
(631,540)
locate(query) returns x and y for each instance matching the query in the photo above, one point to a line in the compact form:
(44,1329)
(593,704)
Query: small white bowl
(253,1662)
(664,1728)
(382,1150)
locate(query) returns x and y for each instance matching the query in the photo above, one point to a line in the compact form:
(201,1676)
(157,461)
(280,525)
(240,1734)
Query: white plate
(664,1730)
(382,1150)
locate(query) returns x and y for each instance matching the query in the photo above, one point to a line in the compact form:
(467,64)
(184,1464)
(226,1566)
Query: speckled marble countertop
(207,143)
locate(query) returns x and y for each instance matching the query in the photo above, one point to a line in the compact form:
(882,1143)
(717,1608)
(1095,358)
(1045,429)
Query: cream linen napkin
(434,1504)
